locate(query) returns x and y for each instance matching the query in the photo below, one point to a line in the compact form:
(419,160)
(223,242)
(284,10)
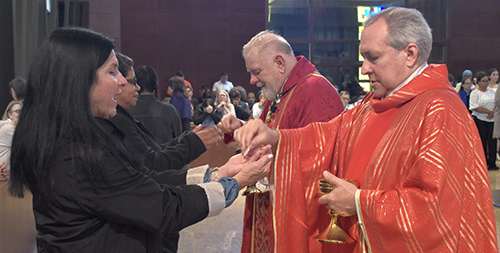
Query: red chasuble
(420,163)
(308,97)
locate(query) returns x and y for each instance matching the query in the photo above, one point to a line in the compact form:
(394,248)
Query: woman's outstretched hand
(257,167)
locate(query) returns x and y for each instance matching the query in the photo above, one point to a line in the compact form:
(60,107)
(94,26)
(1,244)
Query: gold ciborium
(254,189)
(334,233)
(250,190)
(260,187)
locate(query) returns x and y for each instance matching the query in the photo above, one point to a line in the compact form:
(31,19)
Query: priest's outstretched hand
(255,133)
(342,198)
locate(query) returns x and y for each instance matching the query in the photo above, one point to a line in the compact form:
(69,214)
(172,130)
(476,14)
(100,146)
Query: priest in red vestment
(410,143)
(296,95)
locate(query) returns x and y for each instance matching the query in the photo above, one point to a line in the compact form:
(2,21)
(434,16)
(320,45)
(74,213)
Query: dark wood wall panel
(474,41)
(201,38)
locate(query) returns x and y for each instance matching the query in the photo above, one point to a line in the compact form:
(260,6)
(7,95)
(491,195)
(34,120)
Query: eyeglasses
(222,95)
(132,81)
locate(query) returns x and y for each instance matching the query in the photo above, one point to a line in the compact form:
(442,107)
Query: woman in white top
(7,126)
(221,103)
(482,104)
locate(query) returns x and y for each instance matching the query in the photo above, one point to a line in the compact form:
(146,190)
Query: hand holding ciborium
(334,233)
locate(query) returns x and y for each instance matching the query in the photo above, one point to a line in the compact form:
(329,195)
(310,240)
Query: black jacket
(143,147)
(126,213)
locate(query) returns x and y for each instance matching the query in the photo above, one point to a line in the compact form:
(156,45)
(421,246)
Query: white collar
(413,75)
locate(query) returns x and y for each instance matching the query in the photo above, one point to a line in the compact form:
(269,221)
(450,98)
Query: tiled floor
(221,233)
(495,185)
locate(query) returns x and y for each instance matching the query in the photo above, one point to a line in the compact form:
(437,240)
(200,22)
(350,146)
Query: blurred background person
(222,104)
(188,92)
(161,119)
(345,97)
(181,102)
(222,84)
(181,75)
(163,91)
(241,102)
(466,74)
(205,113)
(465,90)
(482,103)
(451,78)
(242,91)
(7,127)
(496,117)
(258,107)
(355,91)
(240,107)
(197,101)
(167,98)
(18,88)
(251,101)
(493,74)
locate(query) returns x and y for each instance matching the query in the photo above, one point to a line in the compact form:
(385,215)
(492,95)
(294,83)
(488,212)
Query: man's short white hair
(268,39)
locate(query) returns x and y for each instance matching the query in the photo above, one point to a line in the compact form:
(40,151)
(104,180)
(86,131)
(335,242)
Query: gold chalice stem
(334,233)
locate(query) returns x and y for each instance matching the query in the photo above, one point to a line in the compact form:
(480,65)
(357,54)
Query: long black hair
(57,110)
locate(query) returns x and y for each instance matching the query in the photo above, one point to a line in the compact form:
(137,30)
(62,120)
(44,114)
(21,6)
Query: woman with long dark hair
(88,193)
